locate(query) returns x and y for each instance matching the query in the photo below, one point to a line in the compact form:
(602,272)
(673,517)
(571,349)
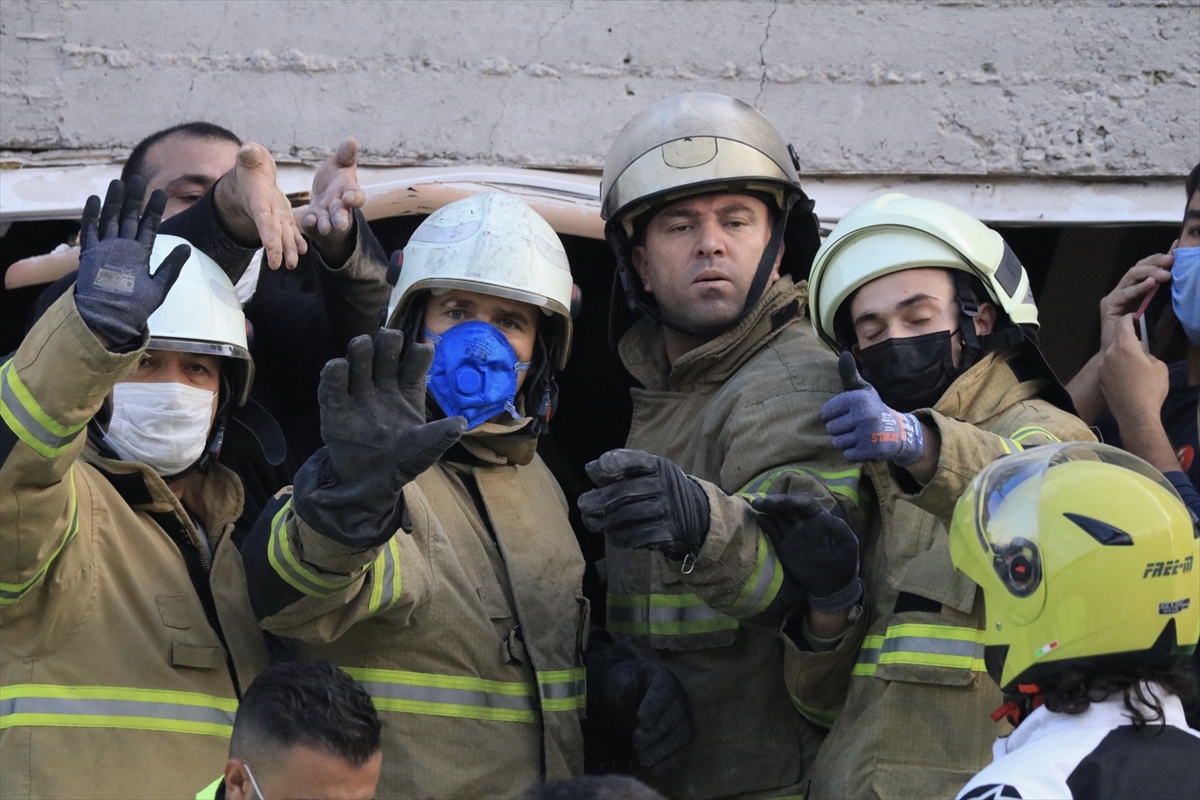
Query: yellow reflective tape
(746,605)
(843,482)
(933,660)
(386,583)
(561,675)
(824,719)
(118,693)
(453,710)
(931,632)
(1033,430)
(515,688)
(10,593)
(123,723)
(872,642)
(689,600)
(290,570)
(32,407)
(863,670)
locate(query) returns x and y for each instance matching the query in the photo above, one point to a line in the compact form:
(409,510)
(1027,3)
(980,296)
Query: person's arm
(88,340)
(1136,385)
(333,550)
(1125,298)
(243,211)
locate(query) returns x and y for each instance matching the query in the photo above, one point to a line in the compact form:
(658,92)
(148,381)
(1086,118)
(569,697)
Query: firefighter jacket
(467,630)
(917,722)
(741,413)
(117,650)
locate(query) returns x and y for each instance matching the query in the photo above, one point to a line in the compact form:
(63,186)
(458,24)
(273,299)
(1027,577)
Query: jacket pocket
(904,781)
(196,656)
(175,610)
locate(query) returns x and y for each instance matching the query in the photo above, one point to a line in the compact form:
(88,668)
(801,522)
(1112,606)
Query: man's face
(516,320)
(1190,236)
(914,302)
(199,370)
(185,167)
(700,257)
(304,773)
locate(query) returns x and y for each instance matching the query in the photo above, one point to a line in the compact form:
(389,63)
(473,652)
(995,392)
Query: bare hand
(335,191)
(254,209)
(1134,382)
(1131,290)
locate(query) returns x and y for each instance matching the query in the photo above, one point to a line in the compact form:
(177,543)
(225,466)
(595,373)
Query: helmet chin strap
(758,286)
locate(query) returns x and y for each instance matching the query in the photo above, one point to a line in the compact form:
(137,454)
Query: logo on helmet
(1163,569)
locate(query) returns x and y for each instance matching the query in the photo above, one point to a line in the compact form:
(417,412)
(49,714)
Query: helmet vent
(1102,532)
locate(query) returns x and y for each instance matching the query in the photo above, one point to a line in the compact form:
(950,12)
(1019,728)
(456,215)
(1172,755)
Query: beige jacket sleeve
(309,587)
(966,449)
(49,391)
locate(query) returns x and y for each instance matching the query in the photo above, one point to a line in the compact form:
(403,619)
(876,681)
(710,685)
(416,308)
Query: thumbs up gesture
(865,428)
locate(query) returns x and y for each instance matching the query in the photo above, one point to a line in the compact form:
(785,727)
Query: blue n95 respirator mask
(474,372)
(1185,291)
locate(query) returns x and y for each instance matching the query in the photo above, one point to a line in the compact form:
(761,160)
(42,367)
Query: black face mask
(911,373)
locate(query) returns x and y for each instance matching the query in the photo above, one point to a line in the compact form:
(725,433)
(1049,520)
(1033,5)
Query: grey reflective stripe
(388,586)
(50,442)
(449,697)
(288,567)
(941,647)
(72,707)
(658,614)
(868,655)
(766,576)
(563,691)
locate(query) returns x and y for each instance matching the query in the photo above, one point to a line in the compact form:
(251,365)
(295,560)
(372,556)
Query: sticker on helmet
(1163,569)
(1046,648)
(1174,607)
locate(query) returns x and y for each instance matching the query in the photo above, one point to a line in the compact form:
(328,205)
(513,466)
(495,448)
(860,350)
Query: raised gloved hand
(376,440)
(114,290)
(815,547)
(645,501)
(864,428)
(646,702)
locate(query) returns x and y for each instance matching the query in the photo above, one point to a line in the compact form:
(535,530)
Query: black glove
(645,501)
(816,548)
(646,701)
(114,290)
(376,440)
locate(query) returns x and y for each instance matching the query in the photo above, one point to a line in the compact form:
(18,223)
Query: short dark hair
(1193,182)
(136,163)
(308,703)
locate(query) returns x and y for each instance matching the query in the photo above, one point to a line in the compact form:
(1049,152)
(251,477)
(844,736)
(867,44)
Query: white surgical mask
(163,425)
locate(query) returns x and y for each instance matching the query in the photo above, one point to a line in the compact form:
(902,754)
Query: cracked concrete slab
(1073,89)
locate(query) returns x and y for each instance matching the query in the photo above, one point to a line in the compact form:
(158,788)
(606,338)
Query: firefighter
(1086,557)
(934,320)
(115,519)
(713,236)
(426,548)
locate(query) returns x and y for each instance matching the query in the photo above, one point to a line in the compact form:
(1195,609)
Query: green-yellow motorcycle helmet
(1086,556)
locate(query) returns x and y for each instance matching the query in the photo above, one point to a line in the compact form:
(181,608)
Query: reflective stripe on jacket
(468,632)
(741,413)
(917,721)
(106,645)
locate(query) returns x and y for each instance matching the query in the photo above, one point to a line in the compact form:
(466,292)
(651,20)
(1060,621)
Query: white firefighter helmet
(491,243)
(201,314)
(896,232)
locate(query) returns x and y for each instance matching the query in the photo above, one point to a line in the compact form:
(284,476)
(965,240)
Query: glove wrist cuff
(840,600)
(912,445)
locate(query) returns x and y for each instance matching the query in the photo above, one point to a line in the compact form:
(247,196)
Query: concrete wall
(1068,89)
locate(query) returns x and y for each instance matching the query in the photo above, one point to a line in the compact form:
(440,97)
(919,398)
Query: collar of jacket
(214,497)
(986,389)
(503,444)
(644,354)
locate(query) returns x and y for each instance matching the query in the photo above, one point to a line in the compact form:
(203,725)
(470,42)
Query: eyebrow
(908,302)
(199,180)
(1192,213)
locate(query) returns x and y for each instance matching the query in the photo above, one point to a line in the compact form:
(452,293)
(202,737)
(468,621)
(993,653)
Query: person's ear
(642,264)
(985,321)
(778,263)
(237,782)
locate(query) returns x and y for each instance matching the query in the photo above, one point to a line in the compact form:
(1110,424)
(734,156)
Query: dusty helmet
(896,232)
(1086,556)
(491,243)
(701,143)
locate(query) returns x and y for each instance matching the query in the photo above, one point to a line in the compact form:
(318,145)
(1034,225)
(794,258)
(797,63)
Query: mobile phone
(1139,317)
